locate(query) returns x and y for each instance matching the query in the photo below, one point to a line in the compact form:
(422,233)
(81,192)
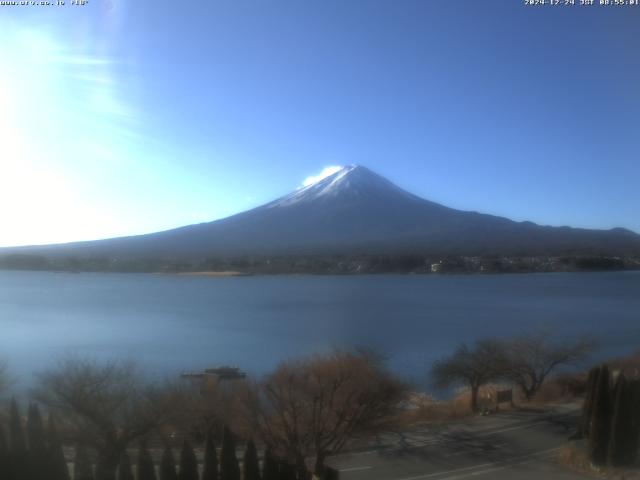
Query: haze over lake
(174,323)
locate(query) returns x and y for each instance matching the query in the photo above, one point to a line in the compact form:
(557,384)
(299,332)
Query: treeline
(302,413)
(35,453)
(80,264)
(324,264)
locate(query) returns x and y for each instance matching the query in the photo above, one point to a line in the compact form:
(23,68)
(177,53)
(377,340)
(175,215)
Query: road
(515,445)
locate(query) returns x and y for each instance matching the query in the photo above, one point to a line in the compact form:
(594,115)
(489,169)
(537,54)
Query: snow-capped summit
(351,181)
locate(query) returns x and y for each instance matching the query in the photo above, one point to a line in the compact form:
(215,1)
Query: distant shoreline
(345,264)
(227,273)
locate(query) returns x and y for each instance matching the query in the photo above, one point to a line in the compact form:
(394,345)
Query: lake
(171,323)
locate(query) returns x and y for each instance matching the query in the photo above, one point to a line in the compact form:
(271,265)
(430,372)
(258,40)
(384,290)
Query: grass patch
(575,457)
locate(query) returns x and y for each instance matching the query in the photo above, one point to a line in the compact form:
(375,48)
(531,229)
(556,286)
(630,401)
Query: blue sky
(129,117)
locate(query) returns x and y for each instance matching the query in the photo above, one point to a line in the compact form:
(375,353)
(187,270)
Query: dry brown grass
(434,412)
(575,457)
(550,392)
(426,409)
(423,408)
(560,389)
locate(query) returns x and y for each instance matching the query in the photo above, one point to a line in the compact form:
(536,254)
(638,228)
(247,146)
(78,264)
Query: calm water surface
(175,323)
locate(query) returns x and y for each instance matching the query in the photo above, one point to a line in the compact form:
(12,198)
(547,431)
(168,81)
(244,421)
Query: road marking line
(355,469)
(440,441)
(435,474)
(471,450)
(460,452)
(517,427)
(497,466)
(491,470)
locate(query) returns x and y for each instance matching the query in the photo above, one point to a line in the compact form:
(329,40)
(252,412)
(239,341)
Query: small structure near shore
(211,378)
(223,372)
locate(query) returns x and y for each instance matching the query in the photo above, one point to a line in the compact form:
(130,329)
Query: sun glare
(46,91)
(29,193)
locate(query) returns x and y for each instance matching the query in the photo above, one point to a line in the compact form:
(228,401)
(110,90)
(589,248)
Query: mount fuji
(352,211)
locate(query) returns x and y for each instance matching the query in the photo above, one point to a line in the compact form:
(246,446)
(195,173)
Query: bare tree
(471,366)
(205,411)
(104,406)
(313,408)
(531,358)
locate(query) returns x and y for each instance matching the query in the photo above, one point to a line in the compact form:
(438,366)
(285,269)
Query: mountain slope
(354,211)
